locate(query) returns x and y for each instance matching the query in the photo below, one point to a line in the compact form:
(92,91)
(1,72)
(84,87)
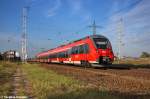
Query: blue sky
(55,22)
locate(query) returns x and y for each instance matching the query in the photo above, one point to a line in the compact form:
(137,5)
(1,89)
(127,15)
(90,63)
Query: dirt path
(135,81)
(20,84)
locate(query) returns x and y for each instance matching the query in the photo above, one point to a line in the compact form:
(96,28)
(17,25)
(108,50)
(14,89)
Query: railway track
(122,71)
(124,80)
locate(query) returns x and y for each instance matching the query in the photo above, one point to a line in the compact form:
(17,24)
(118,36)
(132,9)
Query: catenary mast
(94,26)
(24,35)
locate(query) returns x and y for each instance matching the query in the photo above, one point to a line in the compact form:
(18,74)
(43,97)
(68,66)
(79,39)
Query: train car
(91,50)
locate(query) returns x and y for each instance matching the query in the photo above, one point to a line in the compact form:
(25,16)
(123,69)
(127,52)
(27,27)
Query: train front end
(104,52)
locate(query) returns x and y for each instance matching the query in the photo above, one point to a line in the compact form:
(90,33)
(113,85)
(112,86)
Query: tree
(1,57)
(145,54)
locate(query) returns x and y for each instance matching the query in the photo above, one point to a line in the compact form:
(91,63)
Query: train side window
(63,54)
(86,48)
(58,55)
(81,49)
(50,56)
(69,52)
(54,55)
(66,54)
(73,51)
(76,49)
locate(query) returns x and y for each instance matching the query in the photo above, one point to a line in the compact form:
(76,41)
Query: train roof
(97,36)
(91,36)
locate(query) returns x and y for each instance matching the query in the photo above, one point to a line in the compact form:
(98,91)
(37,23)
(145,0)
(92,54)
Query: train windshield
(101,43)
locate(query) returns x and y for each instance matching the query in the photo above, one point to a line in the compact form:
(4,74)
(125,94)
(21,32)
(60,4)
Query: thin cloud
(79,10)
(75,5)
(138,19)
(52,11)
(136,27)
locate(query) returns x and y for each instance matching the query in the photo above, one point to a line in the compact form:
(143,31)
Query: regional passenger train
(89,51)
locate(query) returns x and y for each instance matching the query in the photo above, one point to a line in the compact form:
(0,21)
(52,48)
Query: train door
(86,55)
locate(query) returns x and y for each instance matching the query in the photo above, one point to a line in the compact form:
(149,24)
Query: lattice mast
(24,35)
(94,26)
(120,38)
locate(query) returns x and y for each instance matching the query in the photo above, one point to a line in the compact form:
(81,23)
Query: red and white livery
(88,51)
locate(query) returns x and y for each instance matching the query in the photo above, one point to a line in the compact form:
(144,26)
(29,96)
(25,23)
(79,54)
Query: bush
(145,54)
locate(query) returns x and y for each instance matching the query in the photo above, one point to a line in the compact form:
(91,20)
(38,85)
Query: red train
(91,50)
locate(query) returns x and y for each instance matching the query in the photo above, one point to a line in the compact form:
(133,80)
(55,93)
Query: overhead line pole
(120,36)
(94,26)
(24,35)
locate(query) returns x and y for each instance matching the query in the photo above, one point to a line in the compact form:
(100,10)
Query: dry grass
(138,61)
(47,84)
(7,69)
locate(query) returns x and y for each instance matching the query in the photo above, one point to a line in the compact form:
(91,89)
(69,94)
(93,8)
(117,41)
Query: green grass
(7,69)
(47,84)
